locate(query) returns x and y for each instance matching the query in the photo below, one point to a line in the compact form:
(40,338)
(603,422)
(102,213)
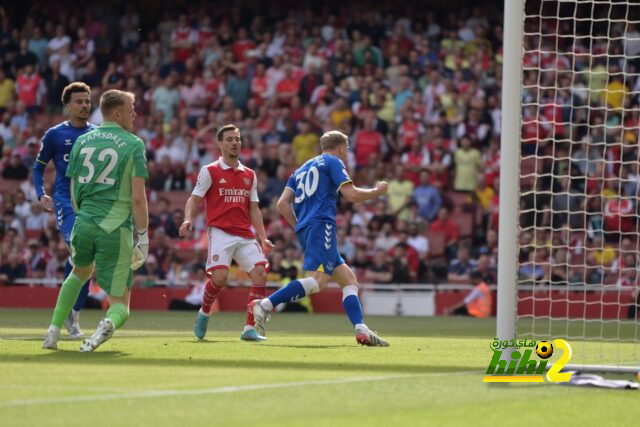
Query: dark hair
(225,128)
(75,87)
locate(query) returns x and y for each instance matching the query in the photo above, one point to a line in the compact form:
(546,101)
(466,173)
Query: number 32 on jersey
(103,178)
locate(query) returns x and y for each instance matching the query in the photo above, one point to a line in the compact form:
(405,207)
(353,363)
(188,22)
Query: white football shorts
(223,247)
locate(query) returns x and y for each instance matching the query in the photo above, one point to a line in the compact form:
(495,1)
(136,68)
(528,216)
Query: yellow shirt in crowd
(485,196)
(306,146)
(398,194)
(7,87)
(467,163)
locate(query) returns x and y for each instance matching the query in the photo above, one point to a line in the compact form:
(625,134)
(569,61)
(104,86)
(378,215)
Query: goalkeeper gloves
(141,250)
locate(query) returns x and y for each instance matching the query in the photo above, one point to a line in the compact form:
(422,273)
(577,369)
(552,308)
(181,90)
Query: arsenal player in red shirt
(229,190)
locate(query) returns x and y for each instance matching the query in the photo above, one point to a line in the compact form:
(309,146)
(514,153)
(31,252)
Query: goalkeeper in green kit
(107,170)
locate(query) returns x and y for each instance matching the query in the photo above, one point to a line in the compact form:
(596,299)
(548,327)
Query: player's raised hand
(46,202)
(382,187)
(186,228)
(267,246)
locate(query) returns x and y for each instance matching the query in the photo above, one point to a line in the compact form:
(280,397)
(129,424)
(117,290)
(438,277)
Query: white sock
(361,327)
(203,313)
(310,285)
(54,328)
(247,327)
(348,291)
(266,304)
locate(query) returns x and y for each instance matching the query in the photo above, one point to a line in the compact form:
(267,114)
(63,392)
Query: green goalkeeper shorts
(110,251)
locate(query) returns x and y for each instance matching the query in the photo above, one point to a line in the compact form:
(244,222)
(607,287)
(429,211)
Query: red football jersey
(227,193)
(28,89)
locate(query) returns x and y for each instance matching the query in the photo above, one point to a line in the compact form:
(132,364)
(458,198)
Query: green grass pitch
(310,372)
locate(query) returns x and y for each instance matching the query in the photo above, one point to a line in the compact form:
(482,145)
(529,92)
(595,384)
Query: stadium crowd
(418,92)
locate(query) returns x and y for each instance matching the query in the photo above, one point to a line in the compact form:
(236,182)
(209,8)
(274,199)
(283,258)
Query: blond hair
(112,99)
(332,139)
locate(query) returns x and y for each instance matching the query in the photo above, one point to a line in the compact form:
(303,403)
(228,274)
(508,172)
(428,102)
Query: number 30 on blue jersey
(316,184)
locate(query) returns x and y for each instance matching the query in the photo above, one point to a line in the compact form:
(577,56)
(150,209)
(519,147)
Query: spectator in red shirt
(368,142)
(205,32)
(409,130)
(618,217)
(288,87)
(443,224)
(260,85)
(439,162)
(415,161)
(183,38)
(30,88)
(242,45)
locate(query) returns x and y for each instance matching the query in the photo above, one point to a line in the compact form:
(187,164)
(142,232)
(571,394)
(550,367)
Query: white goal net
(579,228)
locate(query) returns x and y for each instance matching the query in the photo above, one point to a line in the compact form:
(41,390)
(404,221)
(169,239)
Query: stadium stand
(407,85)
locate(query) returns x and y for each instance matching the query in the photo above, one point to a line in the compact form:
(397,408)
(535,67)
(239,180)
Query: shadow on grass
(119,358)
(262,344)
(307,346)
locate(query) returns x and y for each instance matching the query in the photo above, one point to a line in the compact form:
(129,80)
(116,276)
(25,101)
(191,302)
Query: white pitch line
(61,387)
(217,390)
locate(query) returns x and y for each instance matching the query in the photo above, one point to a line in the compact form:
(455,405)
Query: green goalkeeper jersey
(101,165)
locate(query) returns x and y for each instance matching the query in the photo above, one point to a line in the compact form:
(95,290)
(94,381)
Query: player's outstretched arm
(190,210)
(284,206)
(258,224)
(356,194)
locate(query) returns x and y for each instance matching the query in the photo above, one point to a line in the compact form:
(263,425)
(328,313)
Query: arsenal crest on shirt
(247,182)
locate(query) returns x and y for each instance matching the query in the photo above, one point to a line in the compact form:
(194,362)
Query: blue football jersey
(316,185)
(56,145)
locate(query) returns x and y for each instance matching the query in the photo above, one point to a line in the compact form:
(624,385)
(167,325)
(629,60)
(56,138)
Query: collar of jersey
(109,125)
(225,166)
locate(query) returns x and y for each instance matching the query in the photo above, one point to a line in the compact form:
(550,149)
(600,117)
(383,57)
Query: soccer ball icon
(544,349)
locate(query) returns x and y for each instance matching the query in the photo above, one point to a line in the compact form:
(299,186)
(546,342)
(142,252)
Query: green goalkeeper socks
(66,298)
(118,313)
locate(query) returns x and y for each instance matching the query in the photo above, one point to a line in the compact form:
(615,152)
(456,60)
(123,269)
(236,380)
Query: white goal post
(569,223)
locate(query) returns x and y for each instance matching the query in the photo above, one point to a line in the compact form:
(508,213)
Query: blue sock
(82,297)
(351,304)
(67,269)
(292,292)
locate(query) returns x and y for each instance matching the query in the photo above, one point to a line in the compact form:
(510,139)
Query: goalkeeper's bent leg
(84,291)
(67,296)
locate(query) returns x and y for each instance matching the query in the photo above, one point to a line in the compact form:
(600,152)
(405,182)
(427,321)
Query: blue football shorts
(320,244)
(65,218)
